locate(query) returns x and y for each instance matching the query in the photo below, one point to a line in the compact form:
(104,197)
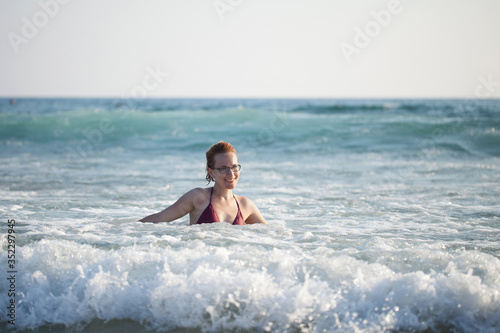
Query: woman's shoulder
(250,211)
(201,190)
(244,201)
(197,194)
(201,194)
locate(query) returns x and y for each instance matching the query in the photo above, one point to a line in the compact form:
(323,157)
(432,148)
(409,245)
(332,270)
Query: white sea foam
(214,280)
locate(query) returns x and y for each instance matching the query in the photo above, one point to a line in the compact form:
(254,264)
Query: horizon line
(249,97)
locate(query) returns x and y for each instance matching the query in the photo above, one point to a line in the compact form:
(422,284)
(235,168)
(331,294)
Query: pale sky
(250,48)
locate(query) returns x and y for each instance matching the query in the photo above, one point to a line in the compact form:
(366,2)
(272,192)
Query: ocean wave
(181,132)
(242,287)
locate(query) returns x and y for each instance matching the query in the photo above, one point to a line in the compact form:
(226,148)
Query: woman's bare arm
(180,208)
(255,216)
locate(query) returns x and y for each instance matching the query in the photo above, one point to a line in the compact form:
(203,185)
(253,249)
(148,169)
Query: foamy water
(383,216)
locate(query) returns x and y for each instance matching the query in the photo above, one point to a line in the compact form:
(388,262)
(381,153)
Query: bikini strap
(237,204)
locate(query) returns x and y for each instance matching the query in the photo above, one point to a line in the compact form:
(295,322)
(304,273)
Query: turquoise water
(383,216)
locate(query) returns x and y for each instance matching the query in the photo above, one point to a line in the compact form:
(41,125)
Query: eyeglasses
(224,170)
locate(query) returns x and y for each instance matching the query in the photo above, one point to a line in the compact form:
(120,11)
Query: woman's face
(230,179)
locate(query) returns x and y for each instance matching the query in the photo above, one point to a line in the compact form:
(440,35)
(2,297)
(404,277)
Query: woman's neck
(222,192)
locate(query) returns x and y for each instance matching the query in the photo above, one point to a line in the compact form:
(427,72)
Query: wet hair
(218,148)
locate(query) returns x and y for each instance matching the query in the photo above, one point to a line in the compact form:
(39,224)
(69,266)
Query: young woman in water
(217,203)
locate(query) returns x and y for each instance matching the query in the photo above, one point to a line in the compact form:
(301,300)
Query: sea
(384,216)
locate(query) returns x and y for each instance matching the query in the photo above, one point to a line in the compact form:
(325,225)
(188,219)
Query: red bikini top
(209,215)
